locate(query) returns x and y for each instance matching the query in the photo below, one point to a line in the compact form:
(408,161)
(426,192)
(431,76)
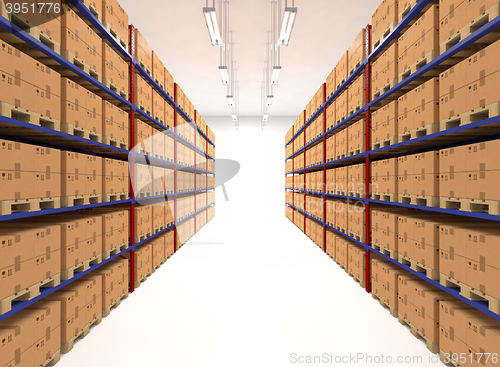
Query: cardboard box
(143,94)
(356,92)
(158,70)
(341,106)
(384,176)
(385,18)
(384,122)
(452,91)
(385,69)
(342,69)
(452,172)
(419,107)
(357,50)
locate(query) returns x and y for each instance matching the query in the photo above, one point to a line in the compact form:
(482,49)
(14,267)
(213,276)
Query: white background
(250,288)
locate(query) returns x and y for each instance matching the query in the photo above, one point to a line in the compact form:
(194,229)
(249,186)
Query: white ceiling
(177,31)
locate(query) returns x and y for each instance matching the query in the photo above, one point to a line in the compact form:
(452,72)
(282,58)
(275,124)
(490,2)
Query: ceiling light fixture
(276,75)
(235,118)
(230,101)
(287,25)
(224,75)
(213,26)
(265,117)
(270,101)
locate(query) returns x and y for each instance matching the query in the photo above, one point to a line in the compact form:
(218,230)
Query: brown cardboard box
(384,122)
(342,69)
(144,94)
(426,171)
(116,17)
(341,249)
(384,176)
(48,331)
(452,91)
(385,69)
(426,34)
(357,51)
(452,18)
(115,68)
(452,171)
(158,70)
(73,104)
(384,18)
(341,142)
(169,84)
(144,52)
(341,106)
(357,93)
(330,84)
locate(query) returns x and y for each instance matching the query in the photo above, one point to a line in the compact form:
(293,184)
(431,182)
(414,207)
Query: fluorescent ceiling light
(235,118)
(230,100)
(224,75)
(265,117)
(270,100)
(286,27)
(263,127)
(276,75)
(235,127)
(213,26)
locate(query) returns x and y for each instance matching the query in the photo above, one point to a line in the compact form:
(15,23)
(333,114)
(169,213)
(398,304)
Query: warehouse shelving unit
(42,136)
(454,137)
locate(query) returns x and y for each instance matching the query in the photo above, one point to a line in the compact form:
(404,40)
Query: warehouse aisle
(248,290)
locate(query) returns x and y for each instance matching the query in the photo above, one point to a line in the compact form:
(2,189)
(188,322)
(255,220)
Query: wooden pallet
(79,63)
(418,65)
(67,201)
(433,347)
(471,293)
(144,194)
(106,198)
(393,311)
(477,114)
(419,200)
(411,5)
(376,42)
(8,207)
(115,304)
(52,360)
(471,205)
(145,110)
(353,68)
(356,236)
(114,251)
(80,132)
(331,257)
(385,197)
(377,93)
(83,266)
(21,114)
(143,279)
(416,266)
(94,11)
(114,88)
(115,34)
(356,151)
(115,143)
(356,194)
(385,143)
(356,279)
(67,347)
(29,293)
(342,266)
(473,26)
(418,133)
(29,28)
(385,251)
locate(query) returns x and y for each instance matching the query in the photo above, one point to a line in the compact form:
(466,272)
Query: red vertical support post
(132,159)
(176,240)
(368,178)
(195,175)
(324,167)
(206,166)
(304,169)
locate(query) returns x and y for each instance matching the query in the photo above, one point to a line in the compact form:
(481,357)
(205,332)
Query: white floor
(249,290)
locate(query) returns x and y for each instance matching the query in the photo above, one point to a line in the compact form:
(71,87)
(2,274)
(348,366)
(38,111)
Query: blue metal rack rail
(479,305)
(435,209)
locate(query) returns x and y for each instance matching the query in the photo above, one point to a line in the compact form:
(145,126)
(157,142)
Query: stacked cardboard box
(81,176)
(32,258)
(24,164)
(80,43)
(356,263)
(115,71)
(385,125)
(385,71)
(114,277)
(384,20)
(116,20)
(32,336)
(385,282)
(31,91)
(357,51)
(115,123)
(418,175)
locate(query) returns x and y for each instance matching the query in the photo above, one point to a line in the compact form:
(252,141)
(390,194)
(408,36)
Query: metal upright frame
(58,140)
(457,136)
